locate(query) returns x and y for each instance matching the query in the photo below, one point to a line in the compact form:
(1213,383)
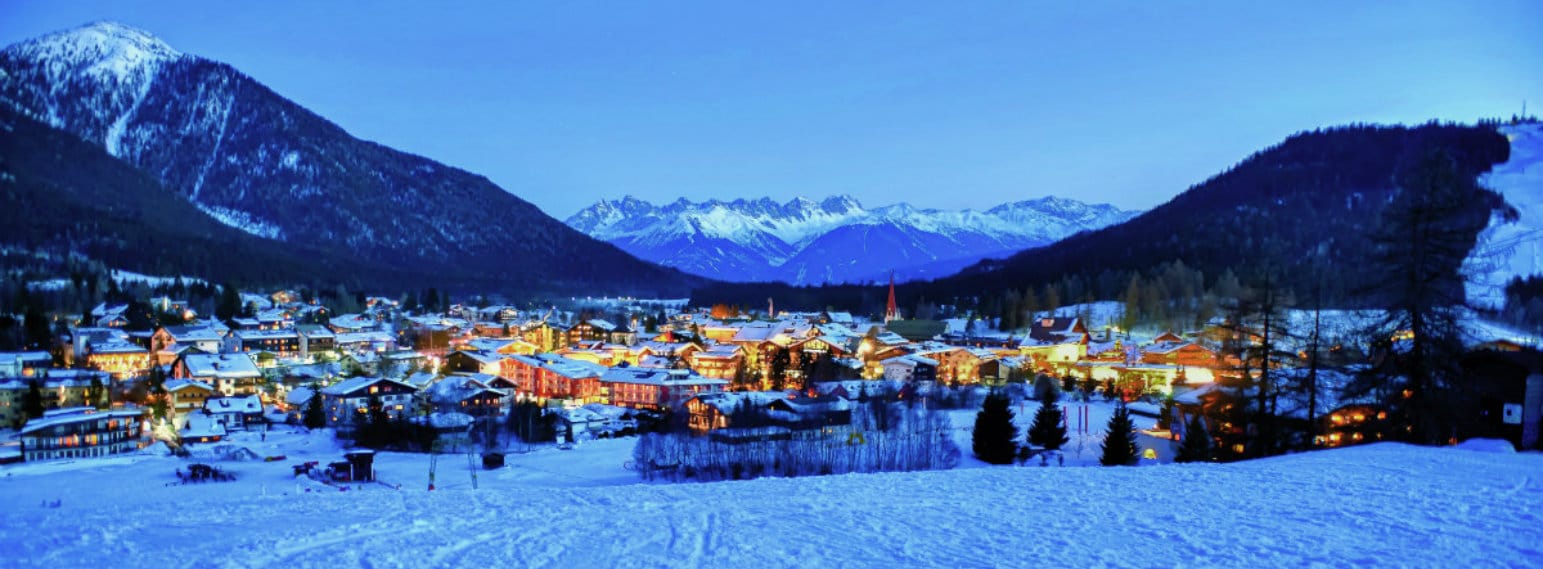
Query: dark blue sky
(941,104)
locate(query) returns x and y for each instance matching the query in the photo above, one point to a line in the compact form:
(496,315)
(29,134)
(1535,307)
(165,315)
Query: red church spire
(890,312)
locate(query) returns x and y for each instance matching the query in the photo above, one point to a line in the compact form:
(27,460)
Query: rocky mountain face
(260,163)
(835,240)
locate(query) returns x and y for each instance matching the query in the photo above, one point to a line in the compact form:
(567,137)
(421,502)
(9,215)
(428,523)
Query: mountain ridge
(261,163)
(832,240)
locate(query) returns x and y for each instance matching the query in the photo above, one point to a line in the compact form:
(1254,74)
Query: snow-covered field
(1380,505)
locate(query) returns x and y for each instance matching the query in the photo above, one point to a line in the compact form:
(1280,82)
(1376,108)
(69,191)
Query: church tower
(890,312)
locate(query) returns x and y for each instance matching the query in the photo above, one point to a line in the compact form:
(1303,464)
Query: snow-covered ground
(1381,505)
(1511,248)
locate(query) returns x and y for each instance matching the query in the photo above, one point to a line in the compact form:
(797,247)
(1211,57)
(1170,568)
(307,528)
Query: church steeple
(890,312)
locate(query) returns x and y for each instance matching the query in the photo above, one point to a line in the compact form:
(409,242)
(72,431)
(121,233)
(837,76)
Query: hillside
(61,194)
(1305,206)
(260,163)
(835,240)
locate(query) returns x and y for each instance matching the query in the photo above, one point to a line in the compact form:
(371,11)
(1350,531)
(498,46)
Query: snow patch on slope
(1511,247)
(243,221)
(106,67)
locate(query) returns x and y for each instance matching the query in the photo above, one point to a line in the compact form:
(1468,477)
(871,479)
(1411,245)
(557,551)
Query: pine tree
(1047,431)
(1119,440)
(315,417)
(32,401)
(994,439)
(1197,442)
(230,303)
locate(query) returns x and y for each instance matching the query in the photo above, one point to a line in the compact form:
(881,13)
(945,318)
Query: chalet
(79,432)
(280,342)
(910,368)
(714,411)
(167,340)
(199,428)
(595,330)
(229,374)
(114,316)
(235,413)
(315,338)
(623,334)
(1055,343)
(186,395)
(721,361)
(956,364)
(811,413)
(458,393)
(1187,354)
(60,388)
(343,400)
(653,388)
(475,361)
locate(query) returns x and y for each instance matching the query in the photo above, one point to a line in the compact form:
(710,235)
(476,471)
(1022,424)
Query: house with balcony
(81,432)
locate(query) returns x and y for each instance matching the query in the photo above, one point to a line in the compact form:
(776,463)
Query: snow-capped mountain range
(258,162)
(834,240)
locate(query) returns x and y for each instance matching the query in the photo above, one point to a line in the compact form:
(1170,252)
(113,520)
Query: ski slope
(1511,248)
(1380,505)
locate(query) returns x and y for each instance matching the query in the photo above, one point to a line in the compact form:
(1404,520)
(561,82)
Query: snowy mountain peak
(97,75)
(804,241)
(105,46)
(840,204)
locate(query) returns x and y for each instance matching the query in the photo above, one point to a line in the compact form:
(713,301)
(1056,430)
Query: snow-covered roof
(223,366)
(299,396)
(246,405)
(343,388)
(70,415)
(174,385)
(657,376)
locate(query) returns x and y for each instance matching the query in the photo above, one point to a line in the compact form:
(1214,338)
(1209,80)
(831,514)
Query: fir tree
(1197,442)
(1047,431)
(315,417)
(995,433)
(1119,440)
(32,401)
(230,303)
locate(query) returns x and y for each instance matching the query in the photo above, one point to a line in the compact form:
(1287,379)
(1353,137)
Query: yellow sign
(856,438)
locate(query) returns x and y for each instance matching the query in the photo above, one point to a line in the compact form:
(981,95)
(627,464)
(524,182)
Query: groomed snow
(1510,249)
(1379,505)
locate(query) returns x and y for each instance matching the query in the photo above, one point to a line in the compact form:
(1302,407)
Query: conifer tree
(1197,442)
(1047,431)
(32,401)
(1119,440)
(315,416)
(995,433)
